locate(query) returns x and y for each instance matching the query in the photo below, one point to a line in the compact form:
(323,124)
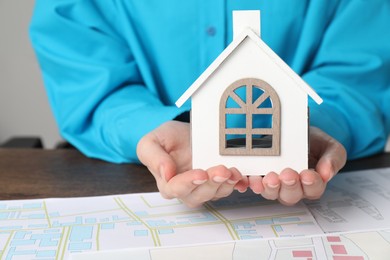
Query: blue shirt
(114,68)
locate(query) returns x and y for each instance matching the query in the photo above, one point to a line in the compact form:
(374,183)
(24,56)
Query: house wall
(205,115)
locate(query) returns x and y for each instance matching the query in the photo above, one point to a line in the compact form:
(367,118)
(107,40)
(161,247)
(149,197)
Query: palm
(166,152)
(175,138)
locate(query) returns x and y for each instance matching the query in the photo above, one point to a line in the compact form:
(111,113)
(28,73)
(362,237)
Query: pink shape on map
(333,239)
(339,249)
(302,253)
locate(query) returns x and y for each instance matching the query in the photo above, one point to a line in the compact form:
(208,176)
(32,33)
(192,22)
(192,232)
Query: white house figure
(249,108)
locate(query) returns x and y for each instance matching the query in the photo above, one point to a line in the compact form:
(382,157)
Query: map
(344,246)
(54,228)
(242,226)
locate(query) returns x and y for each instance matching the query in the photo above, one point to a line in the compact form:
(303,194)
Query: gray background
(24,108)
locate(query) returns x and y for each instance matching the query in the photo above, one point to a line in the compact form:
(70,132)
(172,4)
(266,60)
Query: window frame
(249,111)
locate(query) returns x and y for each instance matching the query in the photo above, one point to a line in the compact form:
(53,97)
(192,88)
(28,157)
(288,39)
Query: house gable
(248,34)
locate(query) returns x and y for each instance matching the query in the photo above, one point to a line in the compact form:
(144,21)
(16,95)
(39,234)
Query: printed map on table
(53,228)
(341,246)
(350,222)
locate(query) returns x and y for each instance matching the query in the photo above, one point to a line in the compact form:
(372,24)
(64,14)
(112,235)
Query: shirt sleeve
(350,71)
(98,96)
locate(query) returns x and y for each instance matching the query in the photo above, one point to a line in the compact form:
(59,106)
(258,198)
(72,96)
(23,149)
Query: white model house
(249,108)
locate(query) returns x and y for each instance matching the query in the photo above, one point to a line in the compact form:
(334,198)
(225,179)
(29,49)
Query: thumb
(331,161)
(152,154)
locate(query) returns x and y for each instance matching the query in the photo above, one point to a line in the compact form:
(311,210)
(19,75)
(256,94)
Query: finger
(227,187)
(330,155)
(223,191)
(312,184)
(271,184)
(160,164)
(290,189)
(242,185)
(332,160)
(256,184)
(216,177)
(183,184)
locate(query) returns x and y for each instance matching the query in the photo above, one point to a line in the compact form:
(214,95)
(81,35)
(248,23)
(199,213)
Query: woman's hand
(326,158)
(166,152)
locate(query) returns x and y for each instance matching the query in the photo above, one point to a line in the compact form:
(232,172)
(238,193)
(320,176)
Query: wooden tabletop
(38,173)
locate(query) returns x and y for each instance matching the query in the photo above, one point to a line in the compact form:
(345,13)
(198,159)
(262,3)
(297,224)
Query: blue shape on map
(264,222)
(36,216)
(21,234)
(165,231)
(107,226)
(278,228)
(80,233)
(46,253)
(23,242)
(138,233)
(32,206)
(287,219)
(246,232)
(4,215)
(90,220)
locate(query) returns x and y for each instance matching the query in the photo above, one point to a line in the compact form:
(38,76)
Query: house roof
(248,33)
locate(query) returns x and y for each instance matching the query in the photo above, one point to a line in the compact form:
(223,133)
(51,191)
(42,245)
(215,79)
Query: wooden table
(37,173)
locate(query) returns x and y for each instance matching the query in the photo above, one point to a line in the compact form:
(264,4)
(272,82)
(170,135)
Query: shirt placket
(212,21)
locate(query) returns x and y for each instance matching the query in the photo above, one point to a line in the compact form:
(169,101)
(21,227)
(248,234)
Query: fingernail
(242,191)
(307,182)
(256,192)
(290,182)
(231,181)
(198,182)
(272,186)
(219,179)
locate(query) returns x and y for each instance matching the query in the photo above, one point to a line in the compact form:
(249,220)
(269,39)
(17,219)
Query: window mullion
(248,108)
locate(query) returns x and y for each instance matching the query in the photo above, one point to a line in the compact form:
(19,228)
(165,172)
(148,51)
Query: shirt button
(211,31)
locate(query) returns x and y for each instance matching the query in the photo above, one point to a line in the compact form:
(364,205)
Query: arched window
(249,119)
